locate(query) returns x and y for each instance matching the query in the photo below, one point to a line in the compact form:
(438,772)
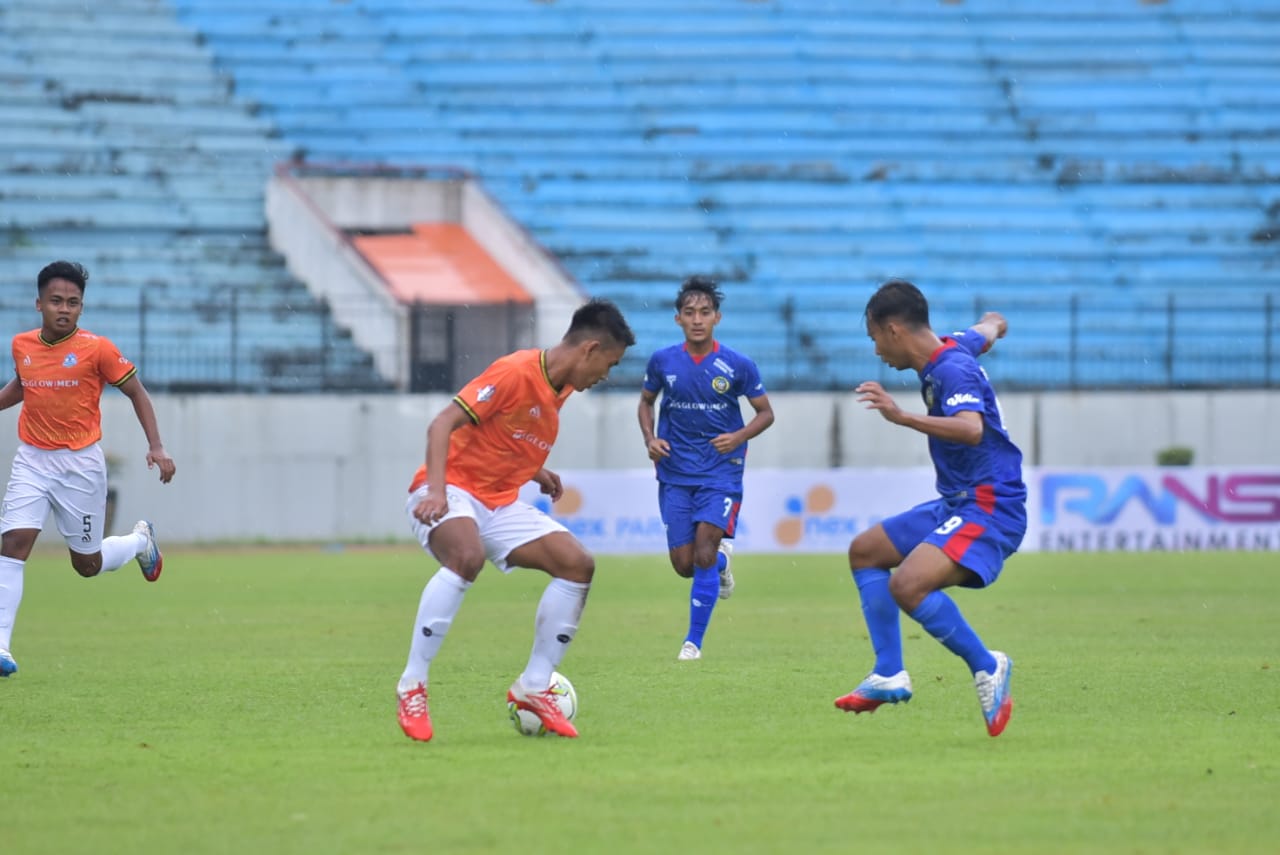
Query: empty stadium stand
(122,148)
(1104,172)
(1114,157)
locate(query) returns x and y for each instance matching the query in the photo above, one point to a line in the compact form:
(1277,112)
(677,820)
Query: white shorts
(73,484)
(502,530)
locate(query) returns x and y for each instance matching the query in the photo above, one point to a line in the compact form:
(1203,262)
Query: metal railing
(1070,342)
(249,342)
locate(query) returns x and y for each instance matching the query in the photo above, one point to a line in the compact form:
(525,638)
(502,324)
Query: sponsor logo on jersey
(698,405)
(962,398)
(536,412)
(50,384)
(485,393)
(535,441)
(720,384)
(671,379)
(69,361)
(26,360)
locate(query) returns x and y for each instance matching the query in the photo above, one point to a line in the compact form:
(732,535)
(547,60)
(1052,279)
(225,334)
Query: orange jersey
(62,385)
(515,417)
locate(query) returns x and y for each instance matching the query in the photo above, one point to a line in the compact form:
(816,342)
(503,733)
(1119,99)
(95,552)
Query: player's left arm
(748,385)
(992,326)
(11,394)
(964,427)
(726,442)
(146,413)
(549,483)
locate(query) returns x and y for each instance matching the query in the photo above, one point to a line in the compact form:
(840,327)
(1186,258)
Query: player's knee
(87,565)
(582,568)
(862,553)
(907,591)
(467,563)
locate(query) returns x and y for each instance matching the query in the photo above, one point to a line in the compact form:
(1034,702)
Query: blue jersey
(700,401)
(953,382)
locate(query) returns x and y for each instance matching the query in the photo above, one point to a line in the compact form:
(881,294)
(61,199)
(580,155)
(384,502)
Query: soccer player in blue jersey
(700,448)
(961,538)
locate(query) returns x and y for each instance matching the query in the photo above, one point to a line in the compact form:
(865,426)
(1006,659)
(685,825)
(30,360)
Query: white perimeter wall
(336,468)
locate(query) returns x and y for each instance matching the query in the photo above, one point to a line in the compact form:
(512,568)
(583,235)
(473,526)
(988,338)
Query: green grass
(245,704)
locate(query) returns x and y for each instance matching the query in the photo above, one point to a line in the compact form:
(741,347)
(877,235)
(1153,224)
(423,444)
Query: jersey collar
(48,343)
(947,344)
(697,360)
(542,363)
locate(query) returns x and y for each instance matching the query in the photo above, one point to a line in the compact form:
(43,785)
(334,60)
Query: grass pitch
(245,704)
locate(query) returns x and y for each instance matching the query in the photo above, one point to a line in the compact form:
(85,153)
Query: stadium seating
(1102,155)
(124,149)
(1088,169)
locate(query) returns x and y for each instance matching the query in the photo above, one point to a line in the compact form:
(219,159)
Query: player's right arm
(436,503)
(964,427)
(656,447)
(11,394)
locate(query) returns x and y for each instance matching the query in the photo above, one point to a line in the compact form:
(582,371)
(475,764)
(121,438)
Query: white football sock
(441,599)
(10,597)
(555,625)
(117,551)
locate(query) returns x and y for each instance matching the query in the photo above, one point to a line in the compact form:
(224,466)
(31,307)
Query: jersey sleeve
(113,366)
(490,392)
(971,341)
(961,384)
(751,385)
(653,375)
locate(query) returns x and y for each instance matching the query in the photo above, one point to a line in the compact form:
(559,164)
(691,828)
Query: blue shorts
(682,508)
(977,540)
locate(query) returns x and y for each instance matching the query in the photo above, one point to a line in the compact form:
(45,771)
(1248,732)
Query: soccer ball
(566,698)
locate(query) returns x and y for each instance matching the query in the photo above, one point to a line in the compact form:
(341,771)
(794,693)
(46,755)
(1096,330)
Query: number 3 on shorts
(949,526)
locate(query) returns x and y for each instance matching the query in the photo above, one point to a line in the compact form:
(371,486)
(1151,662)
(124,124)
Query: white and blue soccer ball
(566,698)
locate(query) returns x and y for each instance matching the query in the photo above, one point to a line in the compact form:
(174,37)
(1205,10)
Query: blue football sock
(941,618)
(881,614)
(722,561)
(702,600)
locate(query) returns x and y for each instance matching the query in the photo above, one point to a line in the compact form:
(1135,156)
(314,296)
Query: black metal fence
(1112,341)
(242,342)
(256,343)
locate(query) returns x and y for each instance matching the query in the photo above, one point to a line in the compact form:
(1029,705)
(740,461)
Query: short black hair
(68,270)
(600,317)
(898,299)
(700,285)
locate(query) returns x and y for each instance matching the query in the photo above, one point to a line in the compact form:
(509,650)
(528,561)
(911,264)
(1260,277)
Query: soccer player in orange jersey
(463,507)
(59,464)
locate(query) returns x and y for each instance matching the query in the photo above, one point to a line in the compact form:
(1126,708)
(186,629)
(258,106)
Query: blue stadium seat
(993,151)
(123,148)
